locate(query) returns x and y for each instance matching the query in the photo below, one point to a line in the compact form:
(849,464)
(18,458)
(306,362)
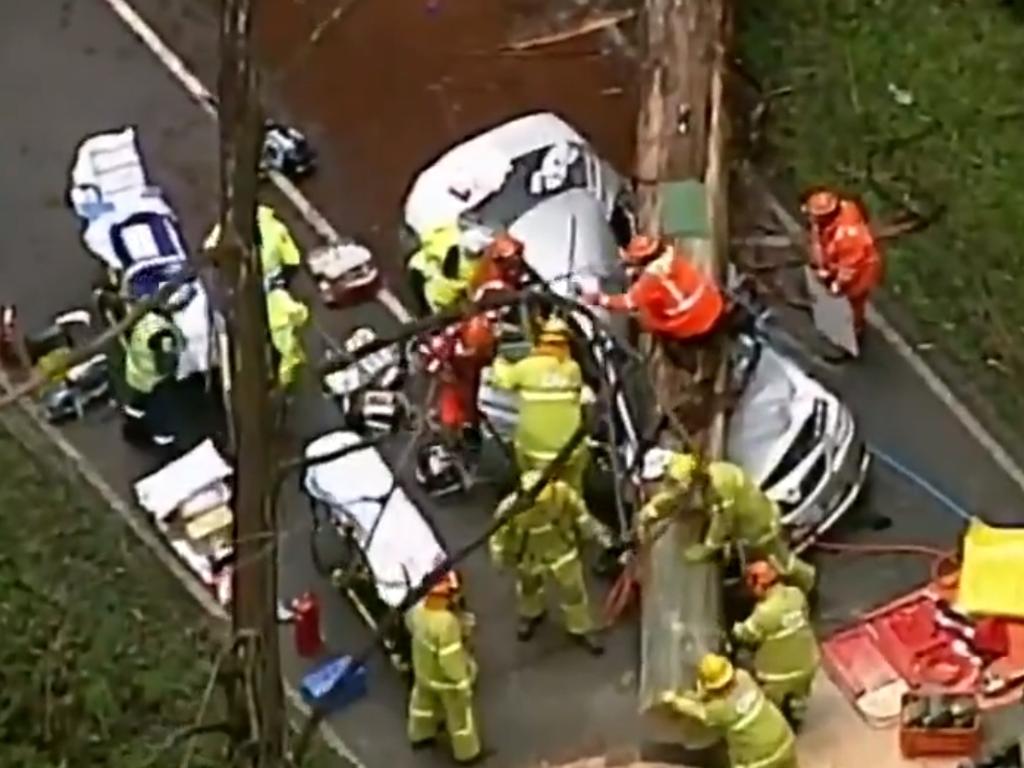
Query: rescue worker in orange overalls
(670,296)
(844,254)
(457,357)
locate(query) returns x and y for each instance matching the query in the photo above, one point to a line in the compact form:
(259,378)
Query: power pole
(682,136)
(257,715)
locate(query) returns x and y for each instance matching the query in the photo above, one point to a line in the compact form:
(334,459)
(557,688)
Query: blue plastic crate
(333,685)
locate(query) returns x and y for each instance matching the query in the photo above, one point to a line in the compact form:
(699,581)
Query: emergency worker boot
(590,641)
(528,627)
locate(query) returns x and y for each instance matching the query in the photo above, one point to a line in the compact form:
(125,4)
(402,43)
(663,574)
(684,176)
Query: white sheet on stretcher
(139,239)
(403,548)
(197,326)
(175,483)
(107,166)
(109,185)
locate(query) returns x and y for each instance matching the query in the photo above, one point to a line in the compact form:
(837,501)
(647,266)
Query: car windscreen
(535,177)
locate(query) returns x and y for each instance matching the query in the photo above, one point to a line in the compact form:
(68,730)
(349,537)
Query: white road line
(939,388)
(323,228)
(174,64)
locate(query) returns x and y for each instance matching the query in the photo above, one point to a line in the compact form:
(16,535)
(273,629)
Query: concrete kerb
(48,446)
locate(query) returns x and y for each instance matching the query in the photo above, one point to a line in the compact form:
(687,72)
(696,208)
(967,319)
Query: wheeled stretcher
(129,227)
(387,545)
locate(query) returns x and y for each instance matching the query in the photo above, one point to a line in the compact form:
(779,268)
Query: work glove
(587,395)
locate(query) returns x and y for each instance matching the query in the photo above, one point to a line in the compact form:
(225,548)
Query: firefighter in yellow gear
(743,521)
(151,353)
(443,673)
(279,254)
(443,268)
(543,541)
(729,701)
(551,396)
(286,317)
(786,655)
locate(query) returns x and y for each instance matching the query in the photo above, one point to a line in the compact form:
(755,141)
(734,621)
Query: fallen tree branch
(586,26)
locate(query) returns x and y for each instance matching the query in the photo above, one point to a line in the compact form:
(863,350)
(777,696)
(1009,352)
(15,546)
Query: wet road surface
(381,94)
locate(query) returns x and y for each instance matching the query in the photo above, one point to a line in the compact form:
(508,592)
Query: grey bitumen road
(73,68)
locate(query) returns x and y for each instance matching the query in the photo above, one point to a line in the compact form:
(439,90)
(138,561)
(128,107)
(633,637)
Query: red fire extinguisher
(308,641)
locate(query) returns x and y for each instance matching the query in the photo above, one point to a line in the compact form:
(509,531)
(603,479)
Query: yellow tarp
(992,577)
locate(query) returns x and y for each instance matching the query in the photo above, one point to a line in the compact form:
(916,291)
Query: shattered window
(535,177)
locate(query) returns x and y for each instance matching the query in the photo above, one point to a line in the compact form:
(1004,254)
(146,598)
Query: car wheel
(623,223)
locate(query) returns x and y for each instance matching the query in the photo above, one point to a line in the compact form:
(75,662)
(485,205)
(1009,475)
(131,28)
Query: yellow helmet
(681,467)
(715,672)
(554,331)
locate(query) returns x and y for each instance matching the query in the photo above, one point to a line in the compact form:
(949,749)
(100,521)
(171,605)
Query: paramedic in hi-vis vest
(152,350)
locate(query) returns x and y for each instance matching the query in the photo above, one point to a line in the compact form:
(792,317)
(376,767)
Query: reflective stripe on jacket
(548,530)
(550,390)
(741,511)
(849,252)
(440,659)
(285,318)
(780,629)
(671,297)
(142,370)
(756,734)
(440,290)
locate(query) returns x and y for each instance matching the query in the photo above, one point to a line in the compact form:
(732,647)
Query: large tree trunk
(682,134)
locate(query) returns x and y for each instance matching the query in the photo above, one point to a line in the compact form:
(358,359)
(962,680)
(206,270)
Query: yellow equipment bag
(992,576)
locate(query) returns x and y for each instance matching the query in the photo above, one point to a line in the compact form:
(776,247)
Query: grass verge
(919,102)
(103,657)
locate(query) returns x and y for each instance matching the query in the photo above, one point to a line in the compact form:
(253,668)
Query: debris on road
(584,24)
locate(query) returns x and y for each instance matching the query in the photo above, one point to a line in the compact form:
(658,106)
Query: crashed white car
(540,179)
(128,226)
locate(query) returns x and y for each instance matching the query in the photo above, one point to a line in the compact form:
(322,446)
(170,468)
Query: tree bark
(259,710)
(682,134)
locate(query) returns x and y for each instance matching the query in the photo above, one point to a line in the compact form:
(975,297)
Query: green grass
(103,656)
(959,143)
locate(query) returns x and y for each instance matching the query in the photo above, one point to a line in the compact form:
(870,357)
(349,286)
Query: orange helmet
(477,334)
(821,203)
(446,586)
(641,248)
(760,575)
(505,247)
